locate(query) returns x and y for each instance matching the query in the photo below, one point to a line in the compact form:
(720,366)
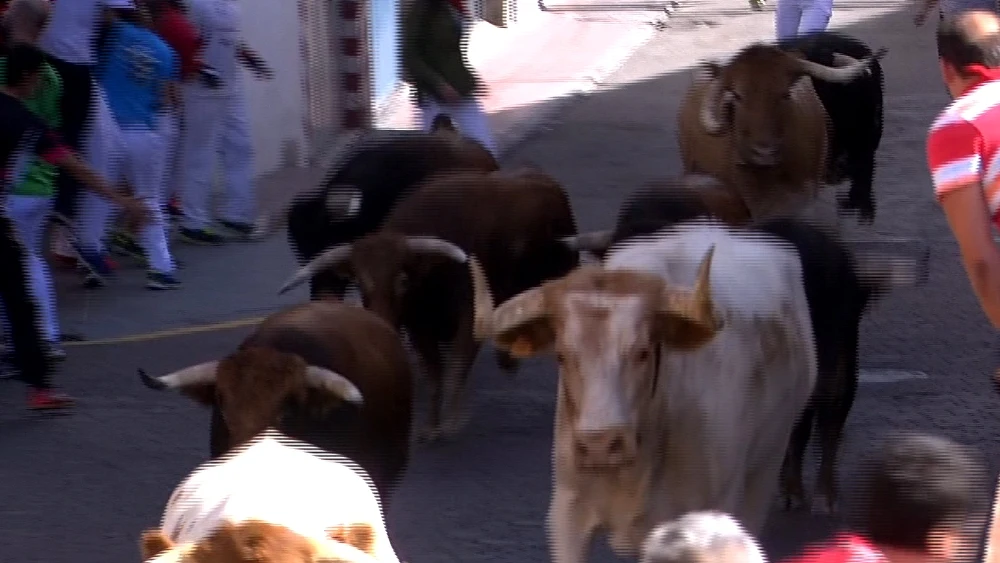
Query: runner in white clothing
(216,121)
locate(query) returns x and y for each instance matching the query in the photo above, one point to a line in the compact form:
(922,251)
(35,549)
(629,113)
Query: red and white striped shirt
(963,145)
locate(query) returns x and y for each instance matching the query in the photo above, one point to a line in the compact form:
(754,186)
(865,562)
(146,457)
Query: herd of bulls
(711,329)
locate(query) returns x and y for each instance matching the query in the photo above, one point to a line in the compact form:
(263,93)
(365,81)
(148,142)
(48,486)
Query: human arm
(252,60)
(52,151)
(953,155)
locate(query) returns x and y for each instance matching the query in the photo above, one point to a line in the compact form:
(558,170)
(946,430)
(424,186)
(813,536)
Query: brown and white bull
(273,500)
(419,271)
(684,362)
(304,370)
(757,124)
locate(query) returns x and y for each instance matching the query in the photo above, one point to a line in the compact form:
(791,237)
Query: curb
(588,81)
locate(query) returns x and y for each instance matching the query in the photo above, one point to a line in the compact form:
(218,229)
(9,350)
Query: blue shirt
(134,72)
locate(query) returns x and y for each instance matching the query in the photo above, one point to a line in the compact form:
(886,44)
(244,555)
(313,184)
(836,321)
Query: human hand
(448,94)
(136,214)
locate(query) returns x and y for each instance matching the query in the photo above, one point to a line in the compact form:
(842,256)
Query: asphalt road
(80,488)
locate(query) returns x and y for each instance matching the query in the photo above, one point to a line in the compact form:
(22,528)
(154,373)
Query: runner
(23,136)
(216,121)
(139,76)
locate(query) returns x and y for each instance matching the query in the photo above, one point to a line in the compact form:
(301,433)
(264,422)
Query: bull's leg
(509,364)
(792,490)
(429,357)
(461,353)
(570,526)
(831,417)
(861,167)
(218,434)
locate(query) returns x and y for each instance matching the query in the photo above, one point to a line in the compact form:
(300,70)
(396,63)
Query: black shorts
(75,113)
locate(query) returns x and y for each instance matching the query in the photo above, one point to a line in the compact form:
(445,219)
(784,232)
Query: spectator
(30,201)
(139,76)
(23,136)
(433,60)
(924,502)
(801,17)
(701,537)
(70,41)
(216,121)
(963,142)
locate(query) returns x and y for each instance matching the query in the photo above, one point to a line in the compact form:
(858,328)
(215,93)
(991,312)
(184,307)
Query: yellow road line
(183,331)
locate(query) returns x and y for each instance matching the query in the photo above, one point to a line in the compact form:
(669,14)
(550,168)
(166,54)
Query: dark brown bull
(294,372)
(758,126)
(421,270)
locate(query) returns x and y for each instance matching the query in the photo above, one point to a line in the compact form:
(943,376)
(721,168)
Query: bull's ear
(153,542)
(359,536)
(522,327)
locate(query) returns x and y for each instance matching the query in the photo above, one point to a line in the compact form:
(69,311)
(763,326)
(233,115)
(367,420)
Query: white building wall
(277,107)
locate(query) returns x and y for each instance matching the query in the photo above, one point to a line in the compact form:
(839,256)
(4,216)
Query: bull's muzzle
(605,449)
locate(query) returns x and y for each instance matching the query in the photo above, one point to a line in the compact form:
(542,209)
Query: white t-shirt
(218,23)
(72,26)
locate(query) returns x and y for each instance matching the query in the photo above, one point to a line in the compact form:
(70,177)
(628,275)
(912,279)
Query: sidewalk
(551,59)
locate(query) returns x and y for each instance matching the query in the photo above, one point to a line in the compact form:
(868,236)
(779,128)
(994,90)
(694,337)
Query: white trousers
(30,215)
(468,115)
(169,126)
(799,17)
(216,126)
(140,161)
(100,145)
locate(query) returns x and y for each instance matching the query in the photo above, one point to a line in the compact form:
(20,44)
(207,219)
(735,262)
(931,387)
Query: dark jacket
(433,39)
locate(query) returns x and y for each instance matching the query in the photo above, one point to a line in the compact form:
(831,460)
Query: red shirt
(963,145)
(845,548)
(175,28)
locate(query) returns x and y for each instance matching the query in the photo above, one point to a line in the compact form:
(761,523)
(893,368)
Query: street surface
(80,488)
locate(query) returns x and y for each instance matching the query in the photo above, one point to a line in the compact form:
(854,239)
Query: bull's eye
(561,358)
(642,355)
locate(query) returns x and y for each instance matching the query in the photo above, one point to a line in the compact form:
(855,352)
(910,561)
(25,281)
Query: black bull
(855,113)
(359,193)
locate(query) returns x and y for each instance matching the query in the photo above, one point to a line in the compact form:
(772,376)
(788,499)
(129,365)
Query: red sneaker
(47,399)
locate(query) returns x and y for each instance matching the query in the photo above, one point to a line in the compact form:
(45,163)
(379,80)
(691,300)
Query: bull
(757,125)
(294,373)
(421,270)
(273,500)
(840,286)
(377,171)
(684,361)
(855,111)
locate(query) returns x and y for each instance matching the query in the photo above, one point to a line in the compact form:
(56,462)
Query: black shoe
(200,236)
(241,230)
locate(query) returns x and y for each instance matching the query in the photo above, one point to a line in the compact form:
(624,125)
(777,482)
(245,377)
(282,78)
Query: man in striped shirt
(963,147)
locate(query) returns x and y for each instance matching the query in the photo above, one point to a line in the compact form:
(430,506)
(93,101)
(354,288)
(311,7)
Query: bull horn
(697,305)
(837,74)
(520,310)
(482,301)
(435,245)
(594,241)
(200,374)
(327,380)
(330,257)
(343,201)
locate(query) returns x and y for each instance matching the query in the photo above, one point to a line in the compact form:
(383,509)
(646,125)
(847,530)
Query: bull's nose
(605,448)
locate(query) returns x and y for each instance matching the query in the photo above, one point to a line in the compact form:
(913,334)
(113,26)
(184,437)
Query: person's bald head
(969,38)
